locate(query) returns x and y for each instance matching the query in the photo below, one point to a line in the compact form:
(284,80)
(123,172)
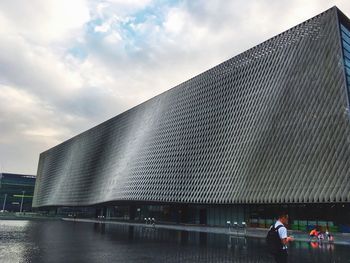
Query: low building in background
(265,130)
(16,192)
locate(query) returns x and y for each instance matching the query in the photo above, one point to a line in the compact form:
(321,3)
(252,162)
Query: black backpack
(273,241)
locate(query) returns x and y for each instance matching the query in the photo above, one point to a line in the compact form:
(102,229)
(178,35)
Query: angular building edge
(210,192)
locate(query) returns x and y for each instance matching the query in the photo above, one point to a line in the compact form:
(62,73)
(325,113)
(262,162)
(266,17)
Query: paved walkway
(26,216)
(339,238)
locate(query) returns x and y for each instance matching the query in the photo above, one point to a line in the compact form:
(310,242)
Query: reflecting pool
(60,241)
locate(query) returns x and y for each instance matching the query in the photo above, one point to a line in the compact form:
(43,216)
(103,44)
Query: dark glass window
(347,62)
(346,46)
(347,70)
(345,35)
(347,54)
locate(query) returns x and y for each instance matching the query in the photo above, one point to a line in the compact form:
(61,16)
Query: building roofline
(246,52)
(342,17)
(18,174)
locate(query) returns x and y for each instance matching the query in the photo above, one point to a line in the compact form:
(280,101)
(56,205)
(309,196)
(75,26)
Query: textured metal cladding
(269,125)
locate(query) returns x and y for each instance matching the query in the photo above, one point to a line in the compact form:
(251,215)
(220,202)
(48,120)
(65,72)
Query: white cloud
(21,119)
(67,65)
(105,27)
(129,5)
(113,38)
(176,20)
(43,21)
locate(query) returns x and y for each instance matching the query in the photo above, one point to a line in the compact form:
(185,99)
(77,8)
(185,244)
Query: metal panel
(267,126)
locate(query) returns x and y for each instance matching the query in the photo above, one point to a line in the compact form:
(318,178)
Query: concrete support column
(183,210)
(104,211)
(132,212)
(98,212)
(108,212)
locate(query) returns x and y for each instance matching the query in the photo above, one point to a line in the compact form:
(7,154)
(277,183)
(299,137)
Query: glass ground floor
(335,217)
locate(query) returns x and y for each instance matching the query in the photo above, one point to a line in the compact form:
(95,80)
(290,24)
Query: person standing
(277,238)
(314,233)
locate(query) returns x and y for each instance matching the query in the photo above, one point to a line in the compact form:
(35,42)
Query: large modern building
(16,192)
(269,128)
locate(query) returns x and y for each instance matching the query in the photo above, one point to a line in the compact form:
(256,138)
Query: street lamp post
(4,204)
(22,201)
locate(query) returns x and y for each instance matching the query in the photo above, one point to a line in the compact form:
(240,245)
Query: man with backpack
(277,239)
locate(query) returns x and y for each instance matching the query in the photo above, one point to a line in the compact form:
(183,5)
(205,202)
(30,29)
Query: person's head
(283,217)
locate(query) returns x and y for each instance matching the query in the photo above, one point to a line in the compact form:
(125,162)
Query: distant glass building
(268,128)
(14,188)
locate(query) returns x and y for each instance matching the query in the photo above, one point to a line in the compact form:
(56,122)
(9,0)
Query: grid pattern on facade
(269,125)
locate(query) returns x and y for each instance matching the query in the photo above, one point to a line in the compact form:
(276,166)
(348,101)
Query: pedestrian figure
(314,233)
(329,236)
(277,239)
(320,236)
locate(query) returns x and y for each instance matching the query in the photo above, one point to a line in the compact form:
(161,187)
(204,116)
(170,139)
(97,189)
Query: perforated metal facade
(267,126)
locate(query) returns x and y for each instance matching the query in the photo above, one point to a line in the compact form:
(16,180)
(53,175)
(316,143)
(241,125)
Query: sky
(68,65)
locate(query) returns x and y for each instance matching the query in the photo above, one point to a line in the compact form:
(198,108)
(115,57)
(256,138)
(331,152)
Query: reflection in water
(322,245)
(234,241)
(131,233)
(58,241)
(183,237)
(203,239)
(12,240)
(99,227)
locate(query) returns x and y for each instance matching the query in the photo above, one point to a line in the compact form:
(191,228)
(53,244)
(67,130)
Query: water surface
(60,241)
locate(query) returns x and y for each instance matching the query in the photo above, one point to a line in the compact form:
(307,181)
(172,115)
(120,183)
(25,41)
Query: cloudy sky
(67,65)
